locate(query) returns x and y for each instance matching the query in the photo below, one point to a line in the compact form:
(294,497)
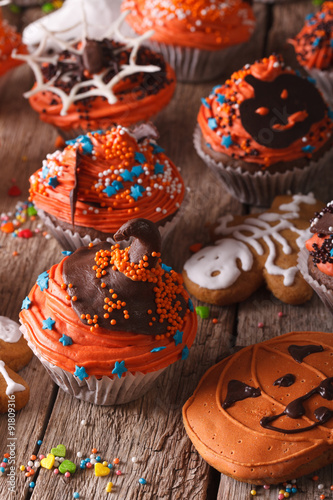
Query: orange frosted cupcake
(109,347)
(9,40)
(94,84)
(265,131)
(316,259)
(198,38)
(314,48)
(102,179)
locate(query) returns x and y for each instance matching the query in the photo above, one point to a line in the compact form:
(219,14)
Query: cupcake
(265,131)
(314,49)
(198,38)
(9,40)
(102,179)
(95,83)
(316,260)
(106,322)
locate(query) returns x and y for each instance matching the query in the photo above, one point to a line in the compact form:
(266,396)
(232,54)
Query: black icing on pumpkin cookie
(282,111)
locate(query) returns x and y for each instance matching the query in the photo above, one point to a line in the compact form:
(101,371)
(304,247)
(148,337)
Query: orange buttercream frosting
(314,44)
(102,179)
(71,341)
(193,23)
(9,40)
(265,114)
(265,414)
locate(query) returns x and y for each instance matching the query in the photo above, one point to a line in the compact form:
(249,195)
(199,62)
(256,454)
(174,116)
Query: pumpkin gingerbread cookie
(254,249)
(265,414)
(14,355)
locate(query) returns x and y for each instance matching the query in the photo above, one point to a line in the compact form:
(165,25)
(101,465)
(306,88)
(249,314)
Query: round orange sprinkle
(70,285)
(113,322)
(83,316)
(94,450)
(215,320)
(116,460)
(63,286)
(15,253)
(74,298)
(90,245)
(68,297)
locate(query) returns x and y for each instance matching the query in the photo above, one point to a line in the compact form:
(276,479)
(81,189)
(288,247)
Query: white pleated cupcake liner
(324,294)
(70,240)
(324,82)
(262,187)
(106,391)
(196,65)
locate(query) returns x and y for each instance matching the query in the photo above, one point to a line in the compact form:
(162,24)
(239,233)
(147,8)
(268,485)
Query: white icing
(9,330)
(12,386)
(221,259)
(37,59)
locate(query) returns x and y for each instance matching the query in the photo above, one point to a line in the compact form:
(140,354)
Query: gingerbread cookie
(14,355)
(265,414)
(254,249)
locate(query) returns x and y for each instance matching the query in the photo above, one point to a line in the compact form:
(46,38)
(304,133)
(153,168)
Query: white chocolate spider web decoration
(100,88)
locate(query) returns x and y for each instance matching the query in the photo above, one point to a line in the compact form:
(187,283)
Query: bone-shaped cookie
(14,355)
(251,250)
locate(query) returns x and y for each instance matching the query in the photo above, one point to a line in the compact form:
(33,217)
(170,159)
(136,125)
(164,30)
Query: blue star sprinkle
(80,372)
(205,103)
(330,114)
(158,168)
(53,182)
(227,141)
(331,253)
(48,323)
(110,191)
(45,171)
(220,98)
(158,349)
(137,170)
(316,42)
(140,157)
(178,337)
(308,148)
(166,268)
(136,191)
(65,340)
(117,185)
(212,123)
(119,368)
(185,352)
(43,281)
(156,148)
(190,305)
(126,175)
(26,303)
(86,144)
(331,43)
(311,80)
(66,252)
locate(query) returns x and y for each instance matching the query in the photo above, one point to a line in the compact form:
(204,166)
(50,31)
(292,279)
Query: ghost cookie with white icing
(252,250)
(14,355)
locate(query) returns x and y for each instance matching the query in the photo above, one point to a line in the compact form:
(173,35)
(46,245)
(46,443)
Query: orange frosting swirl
(97,350)
(193,23)
(9,40)
(221,123)
(147,184)
(314,44)
(312,245)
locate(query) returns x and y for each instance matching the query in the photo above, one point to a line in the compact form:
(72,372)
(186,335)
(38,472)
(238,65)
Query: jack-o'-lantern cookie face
(277,394)
(14,355)
(251,250)
(281,111)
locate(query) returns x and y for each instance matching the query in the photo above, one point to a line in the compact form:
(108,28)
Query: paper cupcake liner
(196,65)
(324,82)
(262,187)
(105,391)
(324,294)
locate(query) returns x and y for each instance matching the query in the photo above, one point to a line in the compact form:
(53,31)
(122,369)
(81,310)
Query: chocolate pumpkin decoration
(281,111)
(256,430)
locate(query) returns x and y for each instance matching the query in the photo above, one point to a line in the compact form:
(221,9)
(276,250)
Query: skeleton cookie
(14,355)
(251,250)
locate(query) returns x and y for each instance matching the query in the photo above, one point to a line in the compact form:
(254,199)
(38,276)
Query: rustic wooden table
(151,428)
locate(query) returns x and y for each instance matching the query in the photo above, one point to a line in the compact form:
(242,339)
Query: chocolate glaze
(92,57)
(138,295)
(302,96)
(237,391)
(323,222)
(299,352)
(295,409)
(285,381)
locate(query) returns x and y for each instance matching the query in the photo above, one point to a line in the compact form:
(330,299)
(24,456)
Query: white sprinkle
(83,422)
(79,454)
(134,459)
